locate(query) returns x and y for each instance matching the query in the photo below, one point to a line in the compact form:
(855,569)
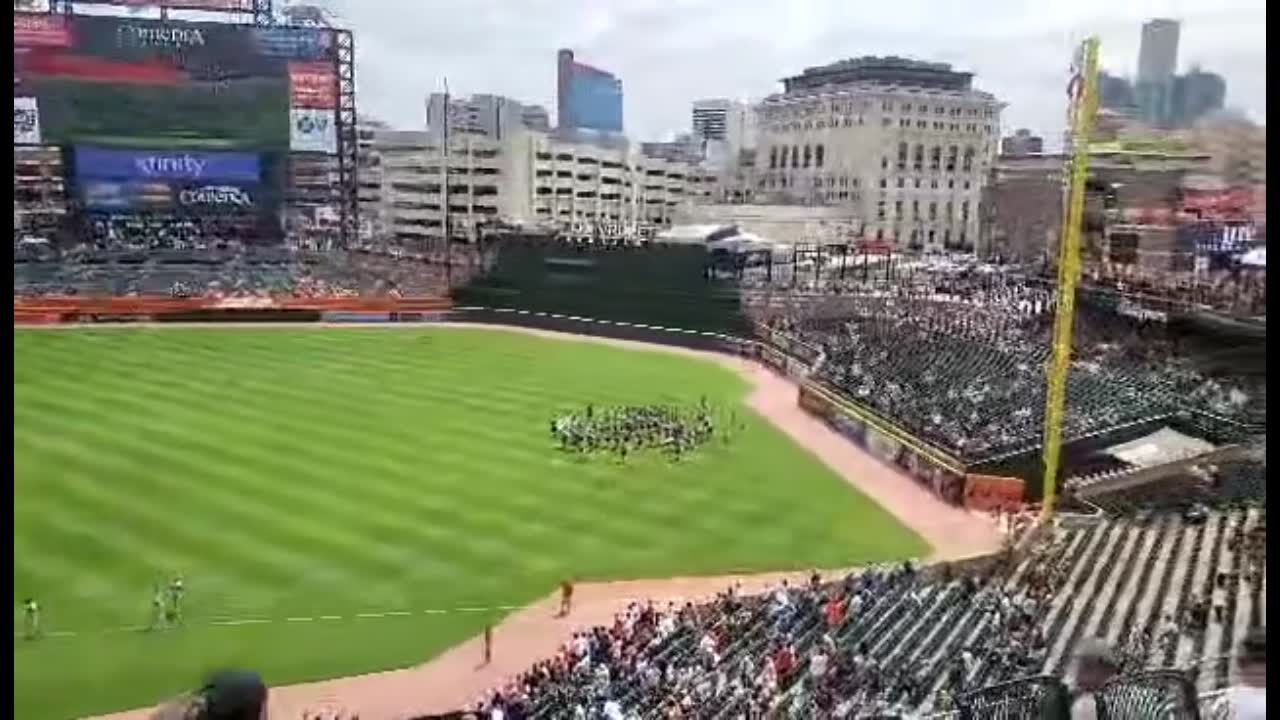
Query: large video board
(162,84)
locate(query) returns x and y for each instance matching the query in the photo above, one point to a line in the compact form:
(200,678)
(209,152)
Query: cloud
(671,52)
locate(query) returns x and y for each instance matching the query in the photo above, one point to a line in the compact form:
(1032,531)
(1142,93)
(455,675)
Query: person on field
(566,596)
(488,644)
(158,611)
(176,591)
(31,609)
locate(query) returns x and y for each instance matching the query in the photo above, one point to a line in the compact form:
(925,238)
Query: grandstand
(955,359)
(1166,591)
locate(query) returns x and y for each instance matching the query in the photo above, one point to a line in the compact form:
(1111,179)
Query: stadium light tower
(1083,94)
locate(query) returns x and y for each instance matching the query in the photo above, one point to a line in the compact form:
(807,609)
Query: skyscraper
(1157,61)
(1158,54)
(587,98)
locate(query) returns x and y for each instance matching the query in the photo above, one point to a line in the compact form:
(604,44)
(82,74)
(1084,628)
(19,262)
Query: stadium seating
(966,372)
(920,641)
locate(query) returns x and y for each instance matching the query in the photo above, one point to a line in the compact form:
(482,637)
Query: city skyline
(668,55)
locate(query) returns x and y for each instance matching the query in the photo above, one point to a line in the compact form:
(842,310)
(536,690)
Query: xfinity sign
(94,162)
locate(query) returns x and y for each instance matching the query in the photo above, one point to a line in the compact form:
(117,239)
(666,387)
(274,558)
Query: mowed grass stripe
(311,473)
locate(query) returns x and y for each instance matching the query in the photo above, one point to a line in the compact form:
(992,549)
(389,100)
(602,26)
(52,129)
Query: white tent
(1256,257)
(1162,446)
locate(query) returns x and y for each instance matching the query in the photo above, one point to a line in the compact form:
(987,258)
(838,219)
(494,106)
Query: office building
(906,144)
(587,98)
(489,116)
(1021,143)
(1195,95)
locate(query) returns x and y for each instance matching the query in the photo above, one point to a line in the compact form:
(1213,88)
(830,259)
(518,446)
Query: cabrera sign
(92,162)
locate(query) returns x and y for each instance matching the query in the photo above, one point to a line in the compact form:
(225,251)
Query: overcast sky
(671,52)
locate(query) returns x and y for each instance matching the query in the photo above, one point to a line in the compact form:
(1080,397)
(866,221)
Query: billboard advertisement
(26,121)
(149,165)
(134,82)
(312,131)
(175,182)
(244,6)
(174,198)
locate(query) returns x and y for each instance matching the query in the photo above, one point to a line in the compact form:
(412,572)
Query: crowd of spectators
(183,259)
(960,359)
(1235,291)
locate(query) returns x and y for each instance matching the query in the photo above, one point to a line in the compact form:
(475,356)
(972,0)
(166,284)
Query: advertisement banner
(994,492)
(40,31)
(244,6)
(294,43)
(313,85)
(103,163)
(213,199)
(111,195)
(26,121)
(313,131)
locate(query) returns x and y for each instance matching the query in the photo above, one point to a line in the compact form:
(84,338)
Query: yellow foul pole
(1084,103)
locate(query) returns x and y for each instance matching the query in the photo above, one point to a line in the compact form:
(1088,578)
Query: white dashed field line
(233,622)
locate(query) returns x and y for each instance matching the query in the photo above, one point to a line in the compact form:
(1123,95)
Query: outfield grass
(309,472)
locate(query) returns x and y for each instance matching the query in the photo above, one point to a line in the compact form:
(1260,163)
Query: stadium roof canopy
(1162,446)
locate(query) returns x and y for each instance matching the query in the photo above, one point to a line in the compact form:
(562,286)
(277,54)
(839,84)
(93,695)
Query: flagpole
(444,192)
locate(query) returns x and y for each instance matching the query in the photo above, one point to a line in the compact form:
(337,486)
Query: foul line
(233,622)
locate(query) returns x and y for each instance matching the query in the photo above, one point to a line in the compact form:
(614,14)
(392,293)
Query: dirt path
(456,678)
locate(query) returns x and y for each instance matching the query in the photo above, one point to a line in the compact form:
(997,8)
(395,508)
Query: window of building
(935,158)
(968,159)
(783,161)
(879,233)
(962,239)
(915,209)
(844,181)
(918,158)
(819,155)
(884,182)
(946,238)
(964,210)
(922,124)
(884,163)
(844,195)
(951,184)
(904,123)
(952,153)
(939,110)
(932,236)
(950,214)
(933,211)
(897,209)
(901,182)
(808,155)
(966,184)
(886,121)
(917,183)
(902,156)
(933,183)
(795,156)
(906,107)
(880,210)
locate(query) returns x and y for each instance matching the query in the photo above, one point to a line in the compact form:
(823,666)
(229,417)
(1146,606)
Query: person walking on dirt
(488,644)
(566,596)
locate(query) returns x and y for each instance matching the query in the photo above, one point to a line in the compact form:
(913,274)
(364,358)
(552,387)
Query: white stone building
(907,145)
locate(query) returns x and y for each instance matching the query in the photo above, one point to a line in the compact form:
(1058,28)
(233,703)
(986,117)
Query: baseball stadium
(265,466)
